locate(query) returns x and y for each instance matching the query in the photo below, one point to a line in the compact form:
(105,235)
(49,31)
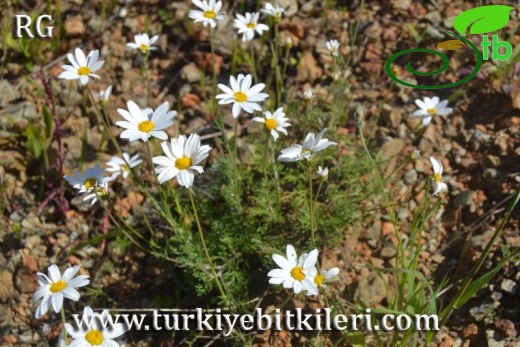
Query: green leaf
(475,286)
(34,140)
(47,119)
(483,19)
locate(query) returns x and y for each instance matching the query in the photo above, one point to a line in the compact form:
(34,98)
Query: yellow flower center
(183,163)
(307,162)
(437,177)
(94,337)
(124,168)
(240,97)
(319,279)
(102,193)
(251,25)
(58,286)
(297,273)
(90,183)
(145,126)
(271,124)
(144,48)
(209,14)
(431,111)
(85,70)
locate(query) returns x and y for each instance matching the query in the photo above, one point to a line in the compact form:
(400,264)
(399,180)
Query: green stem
(253,65)
(213,70)
(63,320)
(446,312)
(235,155)
(147,79)
(265,154)
(311,206)
(202,240)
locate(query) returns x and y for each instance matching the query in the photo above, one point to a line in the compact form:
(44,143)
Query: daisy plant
(438,184)
(306,152)
(243,97)
(183,156)
(122,166)
(54,287)
(142,124)
(143,43)
(275,14)
(273,11)
(294,274)
(333,47)
(93,182)
(274,123)
(82,67)
(247,26)
(209,14)
(104,96)
(431,107)
(97,332)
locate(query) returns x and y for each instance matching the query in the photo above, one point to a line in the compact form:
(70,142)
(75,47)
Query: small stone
(308,69)
(6,285)
(23,112)
(371,290)
(190,100)
(74,26)
(25,281)
(471,332)
(191,73)
(293,27)
(387,228)
(388,251)
(482,311)
(496,296)
(506,328)
(464,199)
(495,339)
(509,286)
(491,161)
(410,177)
(8,93)
(290,7)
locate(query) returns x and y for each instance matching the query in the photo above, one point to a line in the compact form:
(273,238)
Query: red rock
(190,100)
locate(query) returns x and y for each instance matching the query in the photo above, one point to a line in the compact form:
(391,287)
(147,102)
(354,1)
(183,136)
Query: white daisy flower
(143,43)
(182,158)
(104,95)
(82,68)
(100,332)
(324,173)
(438,185)
(333,47)
(294,274)
(308,96)
(248,25)
(54,287)
(308,150)
(88,181)
(100,192)
(121,166)
(210,12)
(430,107)
(273,11)
(320,277)
(274,122)
(143,124)
(242,95)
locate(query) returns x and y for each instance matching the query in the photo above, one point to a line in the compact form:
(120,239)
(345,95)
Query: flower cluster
(300,274)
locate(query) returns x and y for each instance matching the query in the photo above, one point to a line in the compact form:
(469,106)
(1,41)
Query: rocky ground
(479,141)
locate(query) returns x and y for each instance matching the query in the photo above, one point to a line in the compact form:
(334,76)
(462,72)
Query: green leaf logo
(482,19)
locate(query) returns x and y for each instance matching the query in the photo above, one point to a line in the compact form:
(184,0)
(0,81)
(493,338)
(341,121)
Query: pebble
(371,290)
(8,93)
(191,73)
(509,286)
(495,339)
(483,311)
(22,112)
(410,177)
(6,285)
